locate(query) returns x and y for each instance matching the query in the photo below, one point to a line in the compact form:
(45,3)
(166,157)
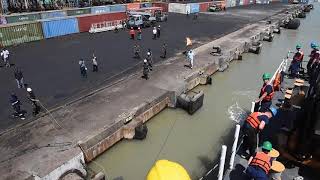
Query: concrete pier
(56,144)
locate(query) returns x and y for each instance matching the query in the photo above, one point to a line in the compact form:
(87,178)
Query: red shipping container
(165,6)
(204,6)
(133,6)
(85,22)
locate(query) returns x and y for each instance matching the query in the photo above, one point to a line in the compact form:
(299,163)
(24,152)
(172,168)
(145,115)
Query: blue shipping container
(59,27)
(53,14)
(100,9)
(118,8)
(145,5)
(194,8)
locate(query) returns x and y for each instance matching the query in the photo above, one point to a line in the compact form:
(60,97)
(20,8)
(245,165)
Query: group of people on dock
(260,162)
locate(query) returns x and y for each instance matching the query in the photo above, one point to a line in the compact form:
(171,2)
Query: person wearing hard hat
(34,101)
(266,94)
(296,62)
(132,33)
(154,32)
(149,59)
(314,58)
(255,123)
(167,170)
(139,37)
(260,163)
(145,69)
(158,31)
(190,56)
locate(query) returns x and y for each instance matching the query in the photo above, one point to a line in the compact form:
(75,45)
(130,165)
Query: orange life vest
(132,32)
(253,120)
(268,96)
(277,82)
(298,56)
(262,160)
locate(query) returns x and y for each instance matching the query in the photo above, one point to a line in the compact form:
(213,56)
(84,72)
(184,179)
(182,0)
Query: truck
(160,16)
(140,19)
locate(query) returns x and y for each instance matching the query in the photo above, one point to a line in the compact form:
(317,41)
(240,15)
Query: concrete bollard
(222,161)
(234,146)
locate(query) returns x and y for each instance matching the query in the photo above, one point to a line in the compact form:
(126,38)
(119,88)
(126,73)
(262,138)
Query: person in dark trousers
(145,69)
(266,94)
(139,36)
(255,123)
(296,62)
(94,63)
(149,59)
(5,57)
(314,60)
(158,31)
(260,163)
(164,51)
(19,77)
(124,24)
(136,51)
(132,33)
(34,102)
(154,32)
(83,69)
(195,16)
(16,105)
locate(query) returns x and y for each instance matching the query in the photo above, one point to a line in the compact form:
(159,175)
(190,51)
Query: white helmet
(29,89)
(159,26)
(148,54)
(145,61)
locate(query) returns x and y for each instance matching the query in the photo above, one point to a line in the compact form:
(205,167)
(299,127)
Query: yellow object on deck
(167,170)
(277,167)
(274,153)
(189,42)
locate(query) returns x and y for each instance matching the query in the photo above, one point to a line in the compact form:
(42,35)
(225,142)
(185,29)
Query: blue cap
(314,45)
(273,110)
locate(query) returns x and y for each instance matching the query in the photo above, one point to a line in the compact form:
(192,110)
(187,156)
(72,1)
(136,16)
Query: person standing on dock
(164,51)
(266,94)
(158,31)
(139,36)
(145,69)
(16,105)
(296,62)
(190,56)
(5,57)
(149,59)
(94,63)
(34,101)
(255,123)
(260,163)
(136,51)
(154,32)
(19,77)
(132,33)
(83,69)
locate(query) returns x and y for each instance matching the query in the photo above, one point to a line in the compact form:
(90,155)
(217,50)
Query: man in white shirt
(5,57)
(154,32)
(190,56)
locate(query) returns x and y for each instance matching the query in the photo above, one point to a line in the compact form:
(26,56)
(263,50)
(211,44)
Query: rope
(53,120)
(165,141)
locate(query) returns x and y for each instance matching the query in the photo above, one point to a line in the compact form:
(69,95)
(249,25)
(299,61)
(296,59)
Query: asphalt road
(51,67)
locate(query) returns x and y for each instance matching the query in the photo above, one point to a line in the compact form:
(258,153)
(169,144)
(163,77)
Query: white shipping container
(179,8)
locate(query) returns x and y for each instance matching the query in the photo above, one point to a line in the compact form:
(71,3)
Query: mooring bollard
(222,161)
(234,146)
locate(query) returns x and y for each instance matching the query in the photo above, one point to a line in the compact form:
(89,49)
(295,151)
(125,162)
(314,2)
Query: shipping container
(118,8)
(179,8)
(85,22)
(205,6)
(133,6)
(164,6)
(145,5)
(59,27)
(53,14)
(22,17)
(241,2)
(284,1)
(18,33)
(100,9)
(194,7)
(77,12)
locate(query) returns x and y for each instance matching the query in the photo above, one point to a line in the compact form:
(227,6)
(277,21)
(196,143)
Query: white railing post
(234,146)
(253,104)
(222,161)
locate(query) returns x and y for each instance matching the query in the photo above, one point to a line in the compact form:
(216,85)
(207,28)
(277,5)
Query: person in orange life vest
(132,33)
(296,62)
(314,58)
(260,163)
(255,123)
(266,94)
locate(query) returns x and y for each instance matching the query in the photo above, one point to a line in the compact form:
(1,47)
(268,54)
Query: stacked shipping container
(59,27)
(164,6)
(85,22)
